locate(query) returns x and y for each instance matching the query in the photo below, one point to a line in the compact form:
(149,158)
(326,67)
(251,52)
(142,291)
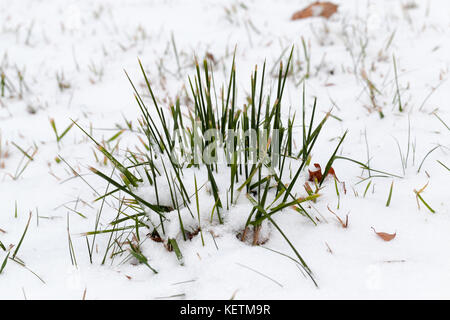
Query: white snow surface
(90,43)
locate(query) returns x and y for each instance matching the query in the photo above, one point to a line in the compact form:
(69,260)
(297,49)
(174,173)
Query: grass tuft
(251,146)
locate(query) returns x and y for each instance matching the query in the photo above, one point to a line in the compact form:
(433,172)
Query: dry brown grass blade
(343,224)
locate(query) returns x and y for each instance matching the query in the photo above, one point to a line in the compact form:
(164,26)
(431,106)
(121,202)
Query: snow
(92,42)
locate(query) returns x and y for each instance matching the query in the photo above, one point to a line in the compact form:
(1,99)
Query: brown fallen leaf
(317,9)
(331,171)
(385,236)
(191,235)
(316,174)
(155,236)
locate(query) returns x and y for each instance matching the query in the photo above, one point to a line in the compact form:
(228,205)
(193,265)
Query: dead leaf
(331,171)
(385,236)
(317,9)
(316,174)
(191,235)
(155,236)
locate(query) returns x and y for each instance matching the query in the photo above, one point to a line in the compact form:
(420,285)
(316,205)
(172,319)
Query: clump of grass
(16,251)
(373,93)
(12,83)
(63,84)
(248,144)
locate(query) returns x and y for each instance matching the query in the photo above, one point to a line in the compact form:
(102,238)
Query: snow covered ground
(64,61)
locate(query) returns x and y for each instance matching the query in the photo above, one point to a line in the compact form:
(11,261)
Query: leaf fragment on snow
(317,9)
(385,236)
(317,173)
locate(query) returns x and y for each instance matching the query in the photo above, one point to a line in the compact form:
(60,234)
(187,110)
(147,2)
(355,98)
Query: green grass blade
(23,237)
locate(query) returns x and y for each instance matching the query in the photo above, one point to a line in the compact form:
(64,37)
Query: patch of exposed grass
(254,163)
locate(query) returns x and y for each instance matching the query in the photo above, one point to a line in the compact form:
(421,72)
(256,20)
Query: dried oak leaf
(385,236)
(317,9)
(331,171)
(316,174)
(191,235)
